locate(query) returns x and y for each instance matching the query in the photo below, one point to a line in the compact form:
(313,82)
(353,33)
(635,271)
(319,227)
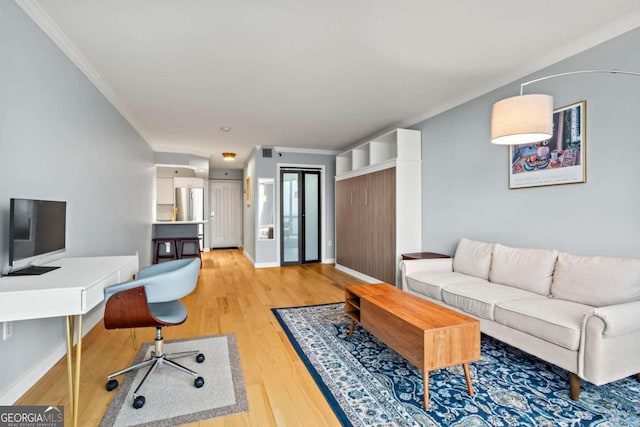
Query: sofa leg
(574,386)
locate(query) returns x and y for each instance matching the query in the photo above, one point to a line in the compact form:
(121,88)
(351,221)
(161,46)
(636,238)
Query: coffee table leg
(467,375)
(353,322)
(425,380)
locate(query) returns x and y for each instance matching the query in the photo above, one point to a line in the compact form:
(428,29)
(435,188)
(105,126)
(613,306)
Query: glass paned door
(311,217)
(300,207)
(290,217)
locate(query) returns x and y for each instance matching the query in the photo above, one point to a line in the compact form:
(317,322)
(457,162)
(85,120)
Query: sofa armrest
(408,267)
(619,319)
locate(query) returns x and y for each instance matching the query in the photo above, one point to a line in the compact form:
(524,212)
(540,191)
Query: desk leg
(76,394)
(70,361)
(73,378)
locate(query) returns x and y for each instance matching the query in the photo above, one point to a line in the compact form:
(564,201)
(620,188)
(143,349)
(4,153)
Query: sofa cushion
(556,321)
(430,283)
(473,258)
(596,281)
(528,269)
(480,298)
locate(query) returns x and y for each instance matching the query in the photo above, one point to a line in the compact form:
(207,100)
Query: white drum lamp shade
(522,119)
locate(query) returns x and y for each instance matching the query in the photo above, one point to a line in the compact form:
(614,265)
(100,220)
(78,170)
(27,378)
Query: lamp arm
(629,73)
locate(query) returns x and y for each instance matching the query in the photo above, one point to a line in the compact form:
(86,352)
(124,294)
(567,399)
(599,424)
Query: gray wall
(199,164)
(60,139)
(226,174)
(175,171)
(248,218)
(465,177)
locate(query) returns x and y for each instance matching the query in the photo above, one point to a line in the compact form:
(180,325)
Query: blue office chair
(152,300)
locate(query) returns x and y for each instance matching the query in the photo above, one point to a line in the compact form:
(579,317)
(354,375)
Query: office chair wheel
(198,382)
(111,385)
(138,402)
(200,358)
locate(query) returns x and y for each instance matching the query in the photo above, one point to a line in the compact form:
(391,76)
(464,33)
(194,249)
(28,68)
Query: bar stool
(189,241)
(170,249)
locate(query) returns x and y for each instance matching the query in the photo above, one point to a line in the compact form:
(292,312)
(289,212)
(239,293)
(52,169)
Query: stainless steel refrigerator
(190,204)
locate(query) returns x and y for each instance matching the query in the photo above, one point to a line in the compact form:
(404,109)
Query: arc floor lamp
(527,119)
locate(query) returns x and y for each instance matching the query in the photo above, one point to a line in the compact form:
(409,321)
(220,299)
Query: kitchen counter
(178,229)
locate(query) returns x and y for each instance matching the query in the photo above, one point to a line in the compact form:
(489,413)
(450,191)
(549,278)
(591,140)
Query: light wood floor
(231,296)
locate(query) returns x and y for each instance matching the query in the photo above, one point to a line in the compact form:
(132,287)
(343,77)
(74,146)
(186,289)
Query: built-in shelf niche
(400,144)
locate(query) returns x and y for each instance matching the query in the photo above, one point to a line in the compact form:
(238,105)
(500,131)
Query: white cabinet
(164,191)
(399,150)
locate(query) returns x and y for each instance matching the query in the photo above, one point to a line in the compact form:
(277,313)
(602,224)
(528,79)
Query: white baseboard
(15,392)
(260,264)
(247,256)
(266,264)
(329,261)
(357,274)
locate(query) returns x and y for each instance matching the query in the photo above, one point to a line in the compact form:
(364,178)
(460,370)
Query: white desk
(71,290)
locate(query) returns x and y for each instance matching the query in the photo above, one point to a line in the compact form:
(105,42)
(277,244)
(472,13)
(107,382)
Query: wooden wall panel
(365,224)
(342,219)
(383,235)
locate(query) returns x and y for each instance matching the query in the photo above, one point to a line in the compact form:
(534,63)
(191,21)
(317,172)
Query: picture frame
(247,191)
(559,160)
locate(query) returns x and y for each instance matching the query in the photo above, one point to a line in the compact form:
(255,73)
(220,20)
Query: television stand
(32,270)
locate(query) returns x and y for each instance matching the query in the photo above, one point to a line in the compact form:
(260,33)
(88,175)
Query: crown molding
(33,9)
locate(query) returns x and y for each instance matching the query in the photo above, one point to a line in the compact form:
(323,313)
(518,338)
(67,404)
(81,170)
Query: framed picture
(247,191)
(559,160)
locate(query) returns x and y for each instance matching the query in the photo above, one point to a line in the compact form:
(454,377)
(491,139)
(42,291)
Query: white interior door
(226,214)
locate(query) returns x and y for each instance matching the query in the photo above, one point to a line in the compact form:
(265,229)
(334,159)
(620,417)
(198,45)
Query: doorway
(300,207)
(226,214)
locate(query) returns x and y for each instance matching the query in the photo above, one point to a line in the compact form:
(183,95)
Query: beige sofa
(580,313)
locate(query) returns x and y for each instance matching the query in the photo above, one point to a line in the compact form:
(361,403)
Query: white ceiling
(321,74)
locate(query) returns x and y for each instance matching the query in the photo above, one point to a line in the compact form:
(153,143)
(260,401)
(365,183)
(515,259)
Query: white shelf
(399,144)
(344,162)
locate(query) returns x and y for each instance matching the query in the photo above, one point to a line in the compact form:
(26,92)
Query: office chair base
(157,359)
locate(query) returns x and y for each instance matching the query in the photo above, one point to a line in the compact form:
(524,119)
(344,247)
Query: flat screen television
(36,228)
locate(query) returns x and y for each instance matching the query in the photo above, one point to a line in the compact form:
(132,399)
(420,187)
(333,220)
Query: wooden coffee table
(426,334)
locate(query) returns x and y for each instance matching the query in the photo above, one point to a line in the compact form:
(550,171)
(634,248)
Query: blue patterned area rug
(366,383)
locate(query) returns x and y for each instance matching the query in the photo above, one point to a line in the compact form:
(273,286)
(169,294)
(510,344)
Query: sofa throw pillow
(596,281)
(473,258)
(527,269)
